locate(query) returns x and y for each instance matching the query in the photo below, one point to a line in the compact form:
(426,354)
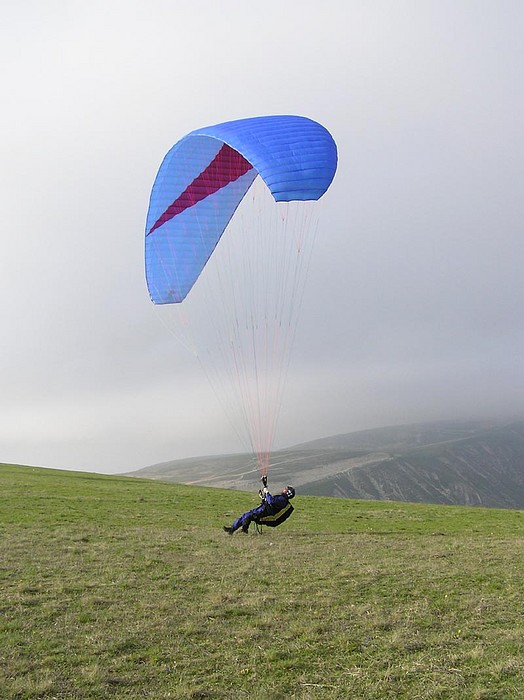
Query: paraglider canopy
(203,179)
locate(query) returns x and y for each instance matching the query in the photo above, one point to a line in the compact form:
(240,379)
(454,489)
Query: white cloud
(414,300)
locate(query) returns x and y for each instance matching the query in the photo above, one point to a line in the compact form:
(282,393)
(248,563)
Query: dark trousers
(246,518)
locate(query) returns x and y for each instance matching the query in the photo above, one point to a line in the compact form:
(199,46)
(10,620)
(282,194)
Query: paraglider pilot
(271,512)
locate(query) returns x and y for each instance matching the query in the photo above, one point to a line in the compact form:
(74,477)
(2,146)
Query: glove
(262,493)
(264,481)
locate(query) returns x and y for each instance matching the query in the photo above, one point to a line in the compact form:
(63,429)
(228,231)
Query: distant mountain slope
(460,463)
(485,469)
(401,436)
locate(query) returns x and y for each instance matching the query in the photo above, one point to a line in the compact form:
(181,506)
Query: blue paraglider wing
(203,179)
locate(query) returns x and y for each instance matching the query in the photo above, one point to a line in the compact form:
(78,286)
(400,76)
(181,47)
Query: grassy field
(116,587)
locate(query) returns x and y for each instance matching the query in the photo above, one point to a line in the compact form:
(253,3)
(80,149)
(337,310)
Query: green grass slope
(117,587)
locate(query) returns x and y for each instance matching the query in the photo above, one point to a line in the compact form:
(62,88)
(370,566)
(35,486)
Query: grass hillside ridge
(115,587)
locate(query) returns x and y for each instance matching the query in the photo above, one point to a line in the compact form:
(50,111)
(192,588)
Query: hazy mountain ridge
(460,463)
(402,436)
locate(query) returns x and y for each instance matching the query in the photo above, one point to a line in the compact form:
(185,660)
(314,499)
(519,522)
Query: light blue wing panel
(177,251)
(181,165)
(203,179)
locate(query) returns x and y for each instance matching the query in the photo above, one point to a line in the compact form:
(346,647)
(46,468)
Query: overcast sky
(414,308)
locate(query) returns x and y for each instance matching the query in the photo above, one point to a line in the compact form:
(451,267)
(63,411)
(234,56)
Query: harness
(275,519)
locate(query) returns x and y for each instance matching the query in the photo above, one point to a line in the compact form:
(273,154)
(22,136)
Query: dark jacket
(276,510)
